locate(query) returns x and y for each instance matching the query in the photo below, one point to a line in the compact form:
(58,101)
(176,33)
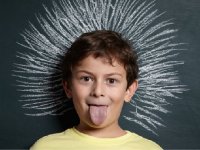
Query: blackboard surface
(18,131)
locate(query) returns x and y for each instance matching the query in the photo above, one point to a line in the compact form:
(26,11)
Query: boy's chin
(92,126)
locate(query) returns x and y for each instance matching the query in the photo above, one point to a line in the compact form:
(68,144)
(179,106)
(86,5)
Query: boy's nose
(98,89)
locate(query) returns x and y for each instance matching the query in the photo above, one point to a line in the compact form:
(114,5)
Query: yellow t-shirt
(72,139)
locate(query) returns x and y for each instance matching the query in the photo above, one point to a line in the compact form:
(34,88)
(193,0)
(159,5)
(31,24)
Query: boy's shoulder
(142,142)
(50,141)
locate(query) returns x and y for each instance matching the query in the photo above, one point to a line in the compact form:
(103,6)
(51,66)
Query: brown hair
(102,43)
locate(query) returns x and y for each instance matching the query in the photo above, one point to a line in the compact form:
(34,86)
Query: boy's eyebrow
(109,74)
(84,71)
(114,73)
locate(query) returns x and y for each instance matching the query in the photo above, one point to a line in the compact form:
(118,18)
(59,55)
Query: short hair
(102,43)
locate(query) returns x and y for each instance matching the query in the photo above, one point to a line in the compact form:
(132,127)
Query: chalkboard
(182,124)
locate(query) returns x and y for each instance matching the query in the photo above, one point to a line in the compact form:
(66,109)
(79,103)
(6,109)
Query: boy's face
(99,90)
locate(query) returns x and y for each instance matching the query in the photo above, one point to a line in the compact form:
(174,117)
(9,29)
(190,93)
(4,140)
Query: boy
(99,74)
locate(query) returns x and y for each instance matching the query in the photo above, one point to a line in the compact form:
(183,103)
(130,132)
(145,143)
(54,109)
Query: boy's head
(100,71)
(103,44)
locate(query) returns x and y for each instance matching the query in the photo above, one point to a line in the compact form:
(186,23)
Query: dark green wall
(18,131)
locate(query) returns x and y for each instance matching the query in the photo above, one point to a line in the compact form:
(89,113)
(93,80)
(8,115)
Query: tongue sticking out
(98,113)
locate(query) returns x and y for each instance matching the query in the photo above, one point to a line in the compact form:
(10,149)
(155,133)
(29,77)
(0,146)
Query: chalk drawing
(38,70)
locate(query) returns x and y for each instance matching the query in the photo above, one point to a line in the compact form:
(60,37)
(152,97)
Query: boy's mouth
(98,113)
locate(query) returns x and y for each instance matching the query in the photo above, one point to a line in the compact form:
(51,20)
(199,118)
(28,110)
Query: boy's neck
(108,132)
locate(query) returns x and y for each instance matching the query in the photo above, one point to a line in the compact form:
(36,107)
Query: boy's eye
(111,81)
(86,78)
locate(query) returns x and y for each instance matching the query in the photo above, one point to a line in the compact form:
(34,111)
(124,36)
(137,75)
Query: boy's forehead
(104,59)
(92,62)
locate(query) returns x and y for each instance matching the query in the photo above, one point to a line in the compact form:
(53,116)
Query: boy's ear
(67,89)
(131,91)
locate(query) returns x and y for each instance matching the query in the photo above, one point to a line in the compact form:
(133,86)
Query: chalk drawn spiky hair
(38,71)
